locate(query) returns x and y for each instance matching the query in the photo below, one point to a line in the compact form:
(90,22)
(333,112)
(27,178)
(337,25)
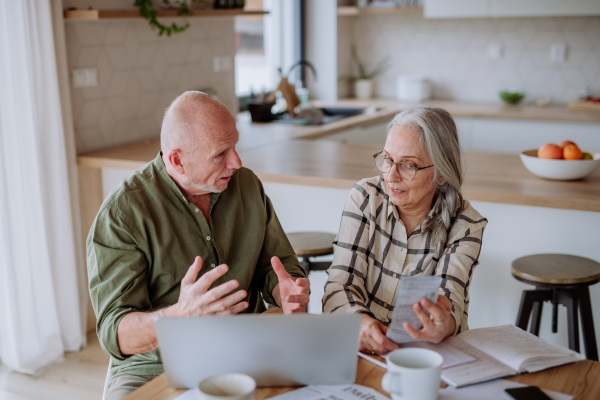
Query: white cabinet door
(456,8)
(373,134)
(538,8)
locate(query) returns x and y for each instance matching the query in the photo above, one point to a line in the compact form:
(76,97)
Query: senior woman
(413,221)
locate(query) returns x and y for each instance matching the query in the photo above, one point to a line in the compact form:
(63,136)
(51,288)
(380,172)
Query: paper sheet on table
(452,356)
(490,391)
(411,289)
(317,392)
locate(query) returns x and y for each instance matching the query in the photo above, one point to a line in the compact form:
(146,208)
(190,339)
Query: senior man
(194,203)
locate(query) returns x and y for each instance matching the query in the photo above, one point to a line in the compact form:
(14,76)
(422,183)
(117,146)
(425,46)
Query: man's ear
(175,158)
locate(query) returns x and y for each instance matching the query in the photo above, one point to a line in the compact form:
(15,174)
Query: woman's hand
(438,325)
(372,339)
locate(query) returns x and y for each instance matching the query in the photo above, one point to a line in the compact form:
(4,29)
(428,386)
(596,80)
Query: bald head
(192,120)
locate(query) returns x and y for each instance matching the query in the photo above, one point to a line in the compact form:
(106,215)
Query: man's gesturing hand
(196,299)
(290,293)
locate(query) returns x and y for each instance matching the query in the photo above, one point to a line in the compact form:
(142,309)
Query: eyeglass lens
(406,171)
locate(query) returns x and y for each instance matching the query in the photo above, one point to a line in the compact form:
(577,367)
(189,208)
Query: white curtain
(41,309)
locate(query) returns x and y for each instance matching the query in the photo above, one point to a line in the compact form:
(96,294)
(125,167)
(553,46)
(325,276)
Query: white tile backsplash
(453,54)
(140,73)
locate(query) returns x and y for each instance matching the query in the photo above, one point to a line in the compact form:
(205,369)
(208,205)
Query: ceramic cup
(413,374)
(226,387)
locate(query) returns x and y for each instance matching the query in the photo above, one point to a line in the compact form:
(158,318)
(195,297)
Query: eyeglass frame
(395,164)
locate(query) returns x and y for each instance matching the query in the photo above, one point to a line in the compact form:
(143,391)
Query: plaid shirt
(372,252)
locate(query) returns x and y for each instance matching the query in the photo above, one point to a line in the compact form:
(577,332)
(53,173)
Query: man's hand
(196,299)
(372,337)
(135,332)
(291,294)
(438,325)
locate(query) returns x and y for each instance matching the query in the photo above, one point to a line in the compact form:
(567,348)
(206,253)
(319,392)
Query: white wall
(453,54)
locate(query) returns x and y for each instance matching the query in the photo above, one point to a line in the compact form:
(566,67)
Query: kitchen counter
(498,178)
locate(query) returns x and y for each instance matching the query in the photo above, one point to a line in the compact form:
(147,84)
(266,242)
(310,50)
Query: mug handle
(391,383)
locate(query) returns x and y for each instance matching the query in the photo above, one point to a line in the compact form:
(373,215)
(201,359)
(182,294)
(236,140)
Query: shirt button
(197,209)
(212,265)
(208,238)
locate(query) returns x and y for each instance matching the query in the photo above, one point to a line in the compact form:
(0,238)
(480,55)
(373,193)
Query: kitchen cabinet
(509,8)
(492,135)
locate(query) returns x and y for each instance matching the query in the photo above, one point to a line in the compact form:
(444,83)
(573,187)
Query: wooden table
(581,379)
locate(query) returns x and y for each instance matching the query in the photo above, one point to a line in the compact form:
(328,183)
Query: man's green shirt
(145,238)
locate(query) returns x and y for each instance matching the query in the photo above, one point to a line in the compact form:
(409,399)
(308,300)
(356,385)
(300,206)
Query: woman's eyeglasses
(406,171)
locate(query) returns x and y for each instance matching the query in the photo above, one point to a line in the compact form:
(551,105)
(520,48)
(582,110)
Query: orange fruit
(550,151)
(565,143)
(572,152)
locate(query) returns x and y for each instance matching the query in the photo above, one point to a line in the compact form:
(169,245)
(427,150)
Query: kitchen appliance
(413,88)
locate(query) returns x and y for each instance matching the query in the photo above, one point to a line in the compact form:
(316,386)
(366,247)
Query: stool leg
(306,264)
(587,324)
(554,317)
(536,318)
(528,298)
(570,301)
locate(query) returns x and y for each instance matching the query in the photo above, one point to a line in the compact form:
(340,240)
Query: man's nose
(234,161)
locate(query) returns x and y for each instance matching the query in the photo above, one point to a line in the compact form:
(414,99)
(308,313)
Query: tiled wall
(453,54)
(140,73)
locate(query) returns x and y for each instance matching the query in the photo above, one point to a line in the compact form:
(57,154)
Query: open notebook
(502,351)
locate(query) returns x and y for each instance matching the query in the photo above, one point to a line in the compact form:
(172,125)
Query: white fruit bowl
(559,170)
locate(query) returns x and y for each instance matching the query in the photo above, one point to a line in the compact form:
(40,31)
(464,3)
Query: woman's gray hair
(439,138)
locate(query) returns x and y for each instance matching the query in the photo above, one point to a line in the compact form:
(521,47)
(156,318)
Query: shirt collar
(164,175)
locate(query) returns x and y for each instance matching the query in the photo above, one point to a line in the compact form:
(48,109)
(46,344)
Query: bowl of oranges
(562,162)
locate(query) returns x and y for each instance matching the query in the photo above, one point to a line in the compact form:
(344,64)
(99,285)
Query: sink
(331,114)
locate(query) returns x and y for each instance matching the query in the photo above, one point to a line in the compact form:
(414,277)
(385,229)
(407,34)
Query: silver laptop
(276,350)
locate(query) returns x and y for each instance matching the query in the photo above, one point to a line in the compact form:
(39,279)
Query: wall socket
(558,52)
(494,51)
(222,64)
(85,77)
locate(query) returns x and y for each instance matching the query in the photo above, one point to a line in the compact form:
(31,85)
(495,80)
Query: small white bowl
(559,170)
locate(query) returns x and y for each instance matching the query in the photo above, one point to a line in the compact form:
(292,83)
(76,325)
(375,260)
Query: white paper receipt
(411,289)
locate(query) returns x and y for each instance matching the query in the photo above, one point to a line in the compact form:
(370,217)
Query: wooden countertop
(497,178)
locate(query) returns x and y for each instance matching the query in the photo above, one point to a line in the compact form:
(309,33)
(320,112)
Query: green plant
(511,97)
(148,13)
(382,66)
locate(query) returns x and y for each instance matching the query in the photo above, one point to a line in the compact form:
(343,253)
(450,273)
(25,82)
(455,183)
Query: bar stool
(312,244)
(560,279)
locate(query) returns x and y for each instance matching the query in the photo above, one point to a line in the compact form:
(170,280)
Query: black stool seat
(312,244)
(561,279)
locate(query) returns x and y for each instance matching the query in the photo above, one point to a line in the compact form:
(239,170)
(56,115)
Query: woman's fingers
(423,317)
(443,302)
(436,313)
(417,335)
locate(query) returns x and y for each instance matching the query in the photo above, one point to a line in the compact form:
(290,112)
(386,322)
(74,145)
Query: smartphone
(527,393)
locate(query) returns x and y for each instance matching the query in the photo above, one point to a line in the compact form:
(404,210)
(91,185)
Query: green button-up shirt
(145,238)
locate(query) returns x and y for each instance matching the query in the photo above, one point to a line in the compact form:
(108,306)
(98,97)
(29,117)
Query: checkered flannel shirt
(372,252)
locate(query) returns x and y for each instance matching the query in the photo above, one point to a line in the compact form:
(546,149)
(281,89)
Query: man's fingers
(303,283)
(206,280)
(298,298)
(226,302)
(216,293)
(238,308)
(443,301)
(279,269)
(192,272)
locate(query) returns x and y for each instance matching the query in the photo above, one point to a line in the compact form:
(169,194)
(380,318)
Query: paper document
(452,356)
(490,391)
(411,289)
(317,392)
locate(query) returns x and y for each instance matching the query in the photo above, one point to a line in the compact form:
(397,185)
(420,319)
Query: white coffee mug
(413,374)
(226,387)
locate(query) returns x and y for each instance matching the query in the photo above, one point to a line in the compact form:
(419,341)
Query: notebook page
(452,356)
(514,347)
(484,368)
(411,289)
